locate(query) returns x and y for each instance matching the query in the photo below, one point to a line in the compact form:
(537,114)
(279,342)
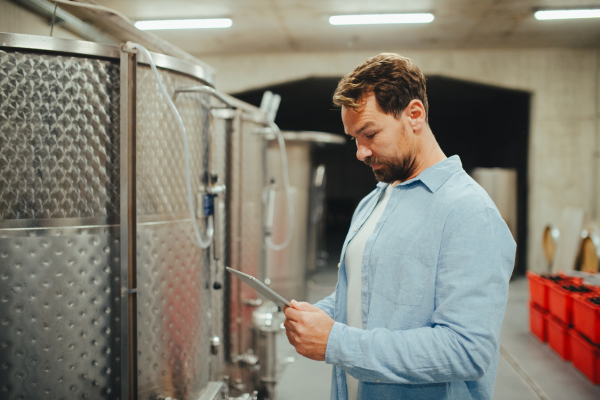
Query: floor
(528,369)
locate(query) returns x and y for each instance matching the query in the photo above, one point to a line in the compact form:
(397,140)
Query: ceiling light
(364,19)
(567,14)
(184,24)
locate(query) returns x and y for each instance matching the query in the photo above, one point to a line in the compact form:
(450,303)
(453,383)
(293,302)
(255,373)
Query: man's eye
(371,135)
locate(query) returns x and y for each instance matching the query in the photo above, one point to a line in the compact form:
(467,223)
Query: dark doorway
(486,126)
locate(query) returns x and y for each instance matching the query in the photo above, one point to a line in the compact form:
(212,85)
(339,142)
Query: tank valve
(215,342)
(208,203)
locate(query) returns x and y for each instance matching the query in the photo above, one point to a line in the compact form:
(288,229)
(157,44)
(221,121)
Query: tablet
(260,287)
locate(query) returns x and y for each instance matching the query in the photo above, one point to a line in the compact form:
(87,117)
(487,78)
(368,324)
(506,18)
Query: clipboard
(260,287)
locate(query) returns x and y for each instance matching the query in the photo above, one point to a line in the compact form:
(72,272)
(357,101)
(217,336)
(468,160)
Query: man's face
(383,142)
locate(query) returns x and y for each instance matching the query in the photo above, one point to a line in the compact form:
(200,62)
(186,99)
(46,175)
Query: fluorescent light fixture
(184,24)
(567,14)
(368,19)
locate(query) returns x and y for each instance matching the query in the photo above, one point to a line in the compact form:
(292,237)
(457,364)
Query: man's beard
(392,169)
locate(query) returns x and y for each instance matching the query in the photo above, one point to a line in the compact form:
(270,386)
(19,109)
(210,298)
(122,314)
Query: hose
(93,6)
(186,149)
(288,192)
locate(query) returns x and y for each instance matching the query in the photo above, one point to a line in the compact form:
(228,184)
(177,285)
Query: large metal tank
(243,237)
(91,188)
(286,269)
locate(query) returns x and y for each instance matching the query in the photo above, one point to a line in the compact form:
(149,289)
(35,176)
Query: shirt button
(378,380)
(355,229)
(338,265)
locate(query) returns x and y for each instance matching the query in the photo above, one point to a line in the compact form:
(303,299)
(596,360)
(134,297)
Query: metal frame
(129,387)
(8,224)
(238,235)
(80,47)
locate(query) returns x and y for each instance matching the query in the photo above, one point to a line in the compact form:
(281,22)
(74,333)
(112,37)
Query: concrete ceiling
(294,25)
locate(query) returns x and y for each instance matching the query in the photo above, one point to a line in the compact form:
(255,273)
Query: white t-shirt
(353,261)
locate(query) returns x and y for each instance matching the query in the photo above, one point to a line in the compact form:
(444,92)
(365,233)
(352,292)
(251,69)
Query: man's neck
(429,155)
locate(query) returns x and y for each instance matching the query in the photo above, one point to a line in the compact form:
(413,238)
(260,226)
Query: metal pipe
(66,20)
(129,368)
(238,237)
(206,90)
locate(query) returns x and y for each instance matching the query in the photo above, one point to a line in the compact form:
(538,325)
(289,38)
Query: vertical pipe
(128,85)
(596,164)
(229,236)
(264,272)
(238,235)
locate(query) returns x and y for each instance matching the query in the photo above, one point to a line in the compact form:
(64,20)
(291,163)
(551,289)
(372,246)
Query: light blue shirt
(435,277)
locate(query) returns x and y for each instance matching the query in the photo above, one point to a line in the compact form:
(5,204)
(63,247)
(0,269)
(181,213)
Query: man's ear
(415,112)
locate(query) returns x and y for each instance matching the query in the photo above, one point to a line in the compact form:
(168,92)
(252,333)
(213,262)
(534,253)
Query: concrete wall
(565,113)
(17,19)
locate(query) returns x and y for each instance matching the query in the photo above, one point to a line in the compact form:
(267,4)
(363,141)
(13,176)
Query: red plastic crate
(538,289)
(558,337)
(586,317)
(585,356)
(560,301)
(537,321)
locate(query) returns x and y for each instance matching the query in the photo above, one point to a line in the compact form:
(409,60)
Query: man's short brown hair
(395,81)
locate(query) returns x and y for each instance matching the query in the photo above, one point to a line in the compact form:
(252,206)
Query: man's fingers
(292,314)
(290,337)
(290,332)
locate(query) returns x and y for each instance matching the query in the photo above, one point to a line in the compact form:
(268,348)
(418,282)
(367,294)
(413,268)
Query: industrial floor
(528,370)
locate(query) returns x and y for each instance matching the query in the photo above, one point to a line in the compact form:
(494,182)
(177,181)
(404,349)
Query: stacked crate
(566,313)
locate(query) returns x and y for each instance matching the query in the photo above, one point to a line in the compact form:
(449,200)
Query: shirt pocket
(404,272)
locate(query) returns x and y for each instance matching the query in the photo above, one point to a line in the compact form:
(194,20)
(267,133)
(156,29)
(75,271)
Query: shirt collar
(435,176)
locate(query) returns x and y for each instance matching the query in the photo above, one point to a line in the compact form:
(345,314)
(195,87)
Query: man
(423,279)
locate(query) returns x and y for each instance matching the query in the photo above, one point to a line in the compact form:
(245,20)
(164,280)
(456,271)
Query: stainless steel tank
(243,238)
(95,231)
(286,269)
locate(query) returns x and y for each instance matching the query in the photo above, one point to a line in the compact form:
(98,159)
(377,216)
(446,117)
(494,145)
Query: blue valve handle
(208,204)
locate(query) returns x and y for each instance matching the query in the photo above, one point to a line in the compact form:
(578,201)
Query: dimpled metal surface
(59,137)
(59,287)
(173,272)
(173,299)
(161,188)
(59,300)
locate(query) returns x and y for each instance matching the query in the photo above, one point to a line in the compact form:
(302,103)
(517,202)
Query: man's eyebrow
(365,126)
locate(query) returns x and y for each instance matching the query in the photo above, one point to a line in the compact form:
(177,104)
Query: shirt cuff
(338,345)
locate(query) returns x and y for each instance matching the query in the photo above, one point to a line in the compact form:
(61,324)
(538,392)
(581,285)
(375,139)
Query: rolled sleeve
(341,345)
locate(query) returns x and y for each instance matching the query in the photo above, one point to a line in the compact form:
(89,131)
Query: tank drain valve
(208,204)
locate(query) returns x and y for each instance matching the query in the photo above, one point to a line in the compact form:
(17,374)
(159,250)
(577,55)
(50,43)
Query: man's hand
(307,328)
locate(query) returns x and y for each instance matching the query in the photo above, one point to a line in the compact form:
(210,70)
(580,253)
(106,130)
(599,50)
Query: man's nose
(362,151)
